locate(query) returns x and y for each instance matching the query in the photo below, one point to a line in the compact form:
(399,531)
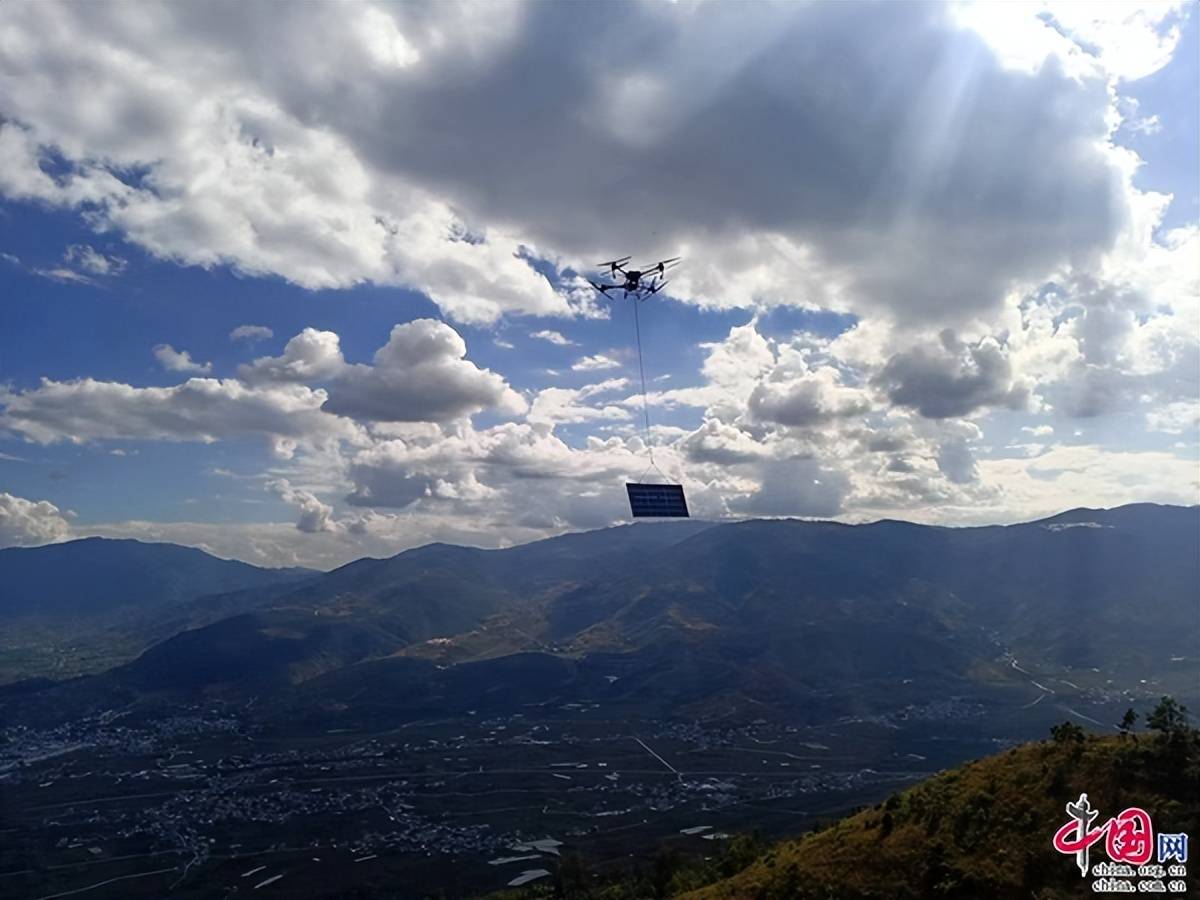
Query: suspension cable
(637,326)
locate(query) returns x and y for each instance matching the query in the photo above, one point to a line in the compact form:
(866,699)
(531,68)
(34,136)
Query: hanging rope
(637,327)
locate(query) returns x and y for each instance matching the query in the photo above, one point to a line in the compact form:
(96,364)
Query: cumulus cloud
(257,190)
(721,443)
(420,375)
(200,409)
(552,337)
(487,475)
(28,522)
(932,131)
(179,360)
(952,378)
(798,487)
(956,461)
(1102,346)
(564,405)
(251,333)
(595,363)
(311,355)
(806,398)
(315,516)
(1182,417)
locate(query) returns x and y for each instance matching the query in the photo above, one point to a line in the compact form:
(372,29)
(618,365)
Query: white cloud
(28,522)
(251,333)
(91,260)
(595,363)
(1115,39)
(1087,475)
(722,444)
(232,176)
(179,360)
(81,263)
(64,275)
(1182,417)
(310,356)
(315,516)
(420,375)
(200,409)
(552,337)
(916,181)
(806,397)
(564,405)
(1147,126)
(797,487)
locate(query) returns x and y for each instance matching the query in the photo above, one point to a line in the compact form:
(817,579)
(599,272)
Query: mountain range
(811,619)
(100,576)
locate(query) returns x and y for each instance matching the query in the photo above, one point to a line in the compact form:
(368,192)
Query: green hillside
(985,829)
(982,831)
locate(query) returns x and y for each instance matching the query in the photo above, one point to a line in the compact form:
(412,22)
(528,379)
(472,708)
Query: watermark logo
(1130,846)
(1172,847)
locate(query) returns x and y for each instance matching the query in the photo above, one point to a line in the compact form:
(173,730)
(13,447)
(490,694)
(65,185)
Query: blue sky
(940,265)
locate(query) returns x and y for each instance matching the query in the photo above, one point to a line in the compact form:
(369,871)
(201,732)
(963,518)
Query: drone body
(638,283)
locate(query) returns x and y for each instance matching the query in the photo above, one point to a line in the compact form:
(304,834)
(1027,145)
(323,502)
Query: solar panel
(663,500)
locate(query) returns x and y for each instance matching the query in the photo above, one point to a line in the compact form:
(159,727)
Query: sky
(301,283)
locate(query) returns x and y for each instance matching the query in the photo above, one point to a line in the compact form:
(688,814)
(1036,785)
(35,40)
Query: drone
(646,499)
(638,283)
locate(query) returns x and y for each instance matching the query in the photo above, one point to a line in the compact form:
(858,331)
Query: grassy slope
(983,830)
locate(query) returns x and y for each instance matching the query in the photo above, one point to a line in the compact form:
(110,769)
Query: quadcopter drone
(638,283)
(646,499)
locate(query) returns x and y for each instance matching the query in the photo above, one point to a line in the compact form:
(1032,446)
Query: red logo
(1128,836)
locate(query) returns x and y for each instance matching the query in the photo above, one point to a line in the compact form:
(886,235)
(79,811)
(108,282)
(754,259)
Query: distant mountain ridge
(96,576)
(818,619)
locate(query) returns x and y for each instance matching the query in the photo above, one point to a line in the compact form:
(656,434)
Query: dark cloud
(956,461)
(952,378)
(811,399)
(879,153)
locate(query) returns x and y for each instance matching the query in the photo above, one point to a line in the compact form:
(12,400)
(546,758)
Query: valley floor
(204,802)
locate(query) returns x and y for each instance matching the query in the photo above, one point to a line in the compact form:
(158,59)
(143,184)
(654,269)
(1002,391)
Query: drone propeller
(613,262)
(602,288)
(664,265)
(658,286)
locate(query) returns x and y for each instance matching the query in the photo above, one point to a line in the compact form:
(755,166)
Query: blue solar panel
(663,500)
